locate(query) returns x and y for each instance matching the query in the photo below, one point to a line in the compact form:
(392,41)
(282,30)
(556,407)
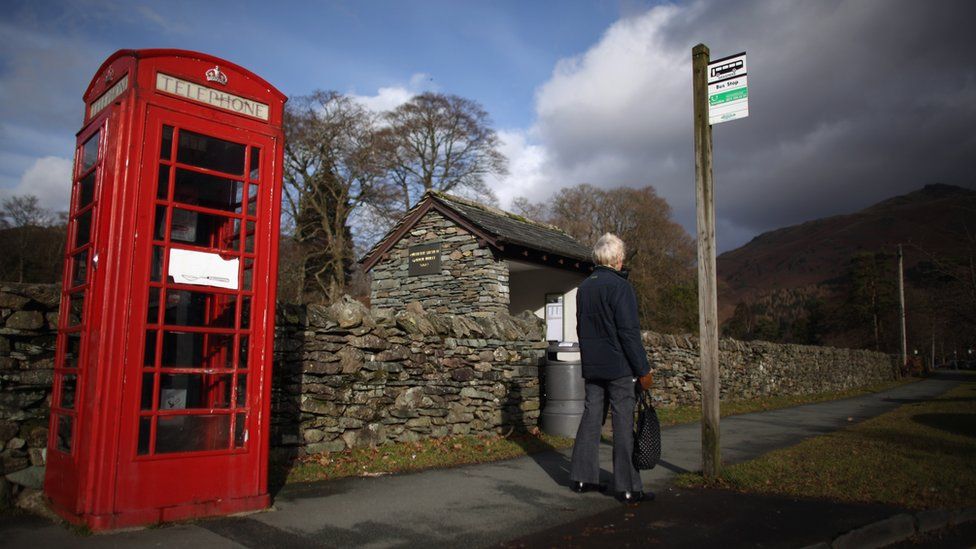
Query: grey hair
(608,250)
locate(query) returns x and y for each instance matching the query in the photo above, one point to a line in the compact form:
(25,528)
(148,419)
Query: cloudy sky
(850,102)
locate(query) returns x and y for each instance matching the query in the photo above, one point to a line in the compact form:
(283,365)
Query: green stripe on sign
(725,97)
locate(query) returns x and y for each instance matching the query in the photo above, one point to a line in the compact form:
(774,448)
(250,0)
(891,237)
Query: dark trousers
(585,466)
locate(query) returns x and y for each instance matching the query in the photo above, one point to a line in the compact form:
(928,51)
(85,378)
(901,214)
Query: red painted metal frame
(101,482)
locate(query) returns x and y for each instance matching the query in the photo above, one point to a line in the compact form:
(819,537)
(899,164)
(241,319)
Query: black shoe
(636,497)
(580,487)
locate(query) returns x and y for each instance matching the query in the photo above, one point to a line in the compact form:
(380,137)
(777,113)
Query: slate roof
(496,226)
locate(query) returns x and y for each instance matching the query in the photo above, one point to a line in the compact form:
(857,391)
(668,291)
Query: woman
(613,361)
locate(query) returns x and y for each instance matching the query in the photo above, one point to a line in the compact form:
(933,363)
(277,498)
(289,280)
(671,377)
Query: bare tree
(660,253)
(443,143)
(25,211)
(32,243)
(332,167)
(526,208)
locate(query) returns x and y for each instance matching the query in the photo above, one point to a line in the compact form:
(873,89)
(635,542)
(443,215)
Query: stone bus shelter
(453,255)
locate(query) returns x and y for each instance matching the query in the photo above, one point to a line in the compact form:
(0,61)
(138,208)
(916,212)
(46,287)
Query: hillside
(814,257)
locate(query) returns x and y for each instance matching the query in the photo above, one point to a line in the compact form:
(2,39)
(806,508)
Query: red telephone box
(163,368)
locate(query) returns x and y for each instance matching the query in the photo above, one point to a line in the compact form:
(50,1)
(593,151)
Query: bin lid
(563,347)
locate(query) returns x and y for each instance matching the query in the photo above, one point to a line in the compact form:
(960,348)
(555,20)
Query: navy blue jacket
(608,327)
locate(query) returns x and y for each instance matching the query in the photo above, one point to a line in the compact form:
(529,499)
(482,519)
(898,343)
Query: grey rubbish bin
(564,392)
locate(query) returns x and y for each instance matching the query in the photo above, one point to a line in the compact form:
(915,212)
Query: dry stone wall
(471,280)
(28,326)
(751,369)
(346,376)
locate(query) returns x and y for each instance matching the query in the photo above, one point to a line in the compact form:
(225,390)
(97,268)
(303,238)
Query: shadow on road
(672,467)
(954,375)
(957,424)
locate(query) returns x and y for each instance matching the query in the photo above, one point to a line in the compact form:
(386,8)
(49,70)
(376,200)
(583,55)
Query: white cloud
(49,179)
(389,98)
(526,169)
(833,126)
(600,114)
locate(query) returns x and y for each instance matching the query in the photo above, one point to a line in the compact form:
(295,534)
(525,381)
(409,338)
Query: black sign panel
(425,259)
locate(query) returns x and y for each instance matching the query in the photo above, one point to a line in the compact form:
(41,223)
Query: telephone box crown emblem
(214,75)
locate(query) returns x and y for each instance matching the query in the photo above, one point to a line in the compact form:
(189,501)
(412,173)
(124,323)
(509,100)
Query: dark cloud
(850,103)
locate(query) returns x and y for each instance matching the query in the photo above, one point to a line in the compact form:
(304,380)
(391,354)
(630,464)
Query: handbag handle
(643,400)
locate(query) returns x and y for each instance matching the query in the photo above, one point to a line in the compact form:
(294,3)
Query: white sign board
(109,96)
(211,96)
(554,318)
(728,89)
(203,269)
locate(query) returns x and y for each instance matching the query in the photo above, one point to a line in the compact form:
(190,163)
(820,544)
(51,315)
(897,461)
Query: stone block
(35,502)
(530,405)
(360,412)
(320,407)
(337,445)
(471,392)
(408,436)
(393,353)
(463,374)
(369,342)
(328,368)
(30,477)
(13,461)
(25,320)
(351,360)
(313,435)
(289,439)
(410,399)
(8,430)
(456,415)
(12,301)
(419,422)
(350,423)
(401,413)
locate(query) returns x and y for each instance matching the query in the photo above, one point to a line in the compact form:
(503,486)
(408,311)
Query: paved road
(682,518)
(476,506)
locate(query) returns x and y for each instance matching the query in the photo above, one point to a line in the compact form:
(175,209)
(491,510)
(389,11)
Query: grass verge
(919,456)
(415,456)
(689,414)
(464,450)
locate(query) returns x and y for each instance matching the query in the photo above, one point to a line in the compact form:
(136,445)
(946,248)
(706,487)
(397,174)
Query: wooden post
(901,306)
(707,294)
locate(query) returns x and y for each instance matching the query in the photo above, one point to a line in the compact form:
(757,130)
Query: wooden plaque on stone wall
(424,259)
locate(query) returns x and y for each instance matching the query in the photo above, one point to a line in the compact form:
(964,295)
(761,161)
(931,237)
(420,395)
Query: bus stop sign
(728,89)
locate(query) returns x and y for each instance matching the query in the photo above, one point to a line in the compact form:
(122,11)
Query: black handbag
(647,433)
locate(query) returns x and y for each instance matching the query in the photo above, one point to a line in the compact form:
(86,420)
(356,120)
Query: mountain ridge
(810,254)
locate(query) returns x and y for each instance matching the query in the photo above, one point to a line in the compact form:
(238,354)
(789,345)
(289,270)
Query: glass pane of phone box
(193,433)
(193,350)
